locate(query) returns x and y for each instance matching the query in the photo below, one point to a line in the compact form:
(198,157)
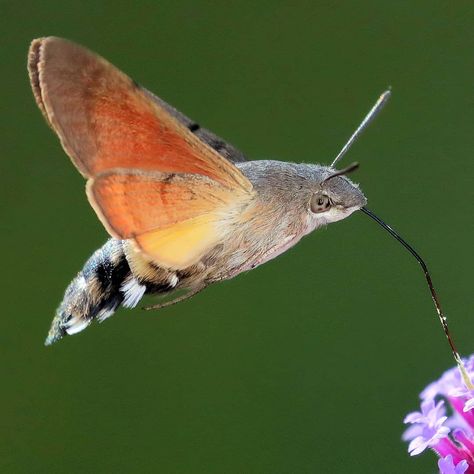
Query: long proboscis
(442,318)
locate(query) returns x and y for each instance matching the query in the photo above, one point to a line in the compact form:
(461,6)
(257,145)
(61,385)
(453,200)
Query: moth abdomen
(99,288)
(112,277)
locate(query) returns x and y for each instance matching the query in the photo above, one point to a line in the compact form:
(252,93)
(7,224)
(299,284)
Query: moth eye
(320,203)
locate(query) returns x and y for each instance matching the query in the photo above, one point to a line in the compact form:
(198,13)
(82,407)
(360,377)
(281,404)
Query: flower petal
(417,446)
(469,405)
(412,432)
(446,466)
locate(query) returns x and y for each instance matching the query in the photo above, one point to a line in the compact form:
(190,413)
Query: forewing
(105,120)
(224,148)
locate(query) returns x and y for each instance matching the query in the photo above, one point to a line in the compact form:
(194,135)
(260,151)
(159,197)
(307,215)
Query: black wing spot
(194,127)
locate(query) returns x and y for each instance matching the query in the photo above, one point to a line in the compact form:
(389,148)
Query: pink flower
(451,435)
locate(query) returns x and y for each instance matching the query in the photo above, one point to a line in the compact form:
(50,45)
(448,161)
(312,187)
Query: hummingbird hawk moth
(184,208)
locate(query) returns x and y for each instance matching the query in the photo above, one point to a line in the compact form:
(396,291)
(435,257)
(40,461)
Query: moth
(184,208)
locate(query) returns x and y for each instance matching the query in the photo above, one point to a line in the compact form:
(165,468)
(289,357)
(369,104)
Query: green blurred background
(307,364)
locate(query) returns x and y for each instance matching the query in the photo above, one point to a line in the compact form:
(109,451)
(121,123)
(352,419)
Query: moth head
(332,196)
(337,197)
(302,197)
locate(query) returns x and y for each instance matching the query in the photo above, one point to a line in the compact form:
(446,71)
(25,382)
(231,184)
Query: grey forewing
(222,147)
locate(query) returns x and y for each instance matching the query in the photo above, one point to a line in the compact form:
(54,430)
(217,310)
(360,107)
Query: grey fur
(282,209)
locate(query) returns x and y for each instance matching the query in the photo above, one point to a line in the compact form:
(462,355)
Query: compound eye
(320,203)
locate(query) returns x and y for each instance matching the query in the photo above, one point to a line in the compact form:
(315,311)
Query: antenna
(442,318)
(381,101)
(348,169)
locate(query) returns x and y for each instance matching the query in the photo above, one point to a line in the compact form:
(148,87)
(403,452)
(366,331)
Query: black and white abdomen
(106,282)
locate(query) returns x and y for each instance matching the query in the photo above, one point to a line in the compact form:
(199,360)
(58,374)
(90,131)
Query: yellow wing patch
(182,244)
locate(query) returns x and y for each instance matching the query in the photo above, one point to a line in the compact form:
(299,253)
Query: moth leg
(176,300)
